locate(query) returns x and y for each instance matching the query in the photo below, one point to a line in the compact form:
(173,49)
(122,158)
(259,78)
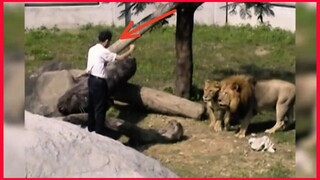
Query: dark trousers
(98,104)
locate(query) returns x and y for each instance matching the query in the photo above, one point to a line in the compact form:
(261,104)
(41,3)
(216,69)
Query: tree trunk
(119,45)
(135,95)
(127,16)
(184,64)
(158,101)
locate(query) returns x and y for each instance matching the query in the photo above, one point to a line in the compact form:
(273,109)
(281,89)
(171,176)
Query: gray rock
(52,65)
(50,86)
(59,149)
(47,85)
(14,146)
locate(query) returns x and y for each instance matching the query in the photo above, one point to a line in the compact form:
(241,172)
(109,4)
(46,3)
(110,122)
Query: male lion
(210,97)
(237,97)
(279,95)
(267,95)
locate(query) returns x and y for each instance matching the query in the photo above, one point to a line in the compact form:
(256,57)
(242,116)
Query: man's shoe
(90,129)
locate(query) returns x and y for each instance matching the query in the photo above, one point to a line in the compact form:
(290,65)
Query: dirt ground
(204,153)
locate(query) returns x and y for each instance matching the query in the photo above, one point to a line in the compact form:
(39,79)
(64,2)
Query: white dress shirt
(98,58)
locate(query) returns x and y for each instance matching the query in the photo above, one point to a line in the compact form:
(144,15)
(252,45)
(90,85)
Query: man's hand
(131,47)
(126,54)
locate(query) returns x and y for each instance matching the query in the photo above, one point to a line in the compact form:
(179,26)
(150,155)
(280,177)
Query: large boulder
(49,87)
(13,150)
(59,149)
(31,78)
(49,83)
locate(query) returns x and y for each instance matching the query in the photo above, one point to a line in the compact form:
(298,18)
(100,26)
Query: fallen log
(158,101)
(75,100)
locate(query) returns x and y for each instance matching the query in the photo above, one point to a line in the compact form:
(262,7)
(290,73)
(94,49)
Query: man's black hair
(104,35)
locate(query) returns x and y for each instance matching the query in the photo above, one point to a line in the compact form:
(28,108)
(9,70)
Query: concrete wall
(285,18)
(209,13)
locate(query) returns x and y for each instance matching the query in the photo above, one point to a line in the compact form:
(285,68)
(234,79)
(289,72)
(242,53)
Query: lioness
(237,97)
(276,95)
(210,97)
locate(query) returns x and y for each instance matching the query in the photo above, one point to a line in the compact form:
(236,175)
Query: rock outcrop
(59,149)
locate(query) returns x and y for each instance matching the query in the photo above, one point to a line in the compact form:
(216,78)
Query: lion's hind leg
(281,111)
(290,121)
(279,125)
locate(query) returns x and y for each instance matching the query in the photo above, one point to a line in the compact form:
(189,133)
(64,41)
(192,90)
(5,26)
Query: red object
(127,34)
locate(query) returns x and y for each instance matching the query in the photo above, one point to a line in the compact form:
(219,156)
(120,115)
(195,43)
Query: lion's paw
(227,127)
(211,125)
(240,135)
(218,126)
(270,131)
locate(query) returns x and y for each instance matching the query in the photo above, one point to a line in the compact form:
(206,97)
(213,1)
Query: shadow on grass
(260,127)
(129,114)
(144,147)
(133,115)
(256,71)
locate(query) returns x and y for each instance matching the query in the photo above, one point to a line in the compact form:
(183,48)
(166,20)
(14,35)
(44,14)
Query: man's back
(98,57)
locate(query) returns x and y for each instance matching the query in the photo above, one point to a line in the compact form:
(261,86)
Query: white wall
(107,13)
(284,18)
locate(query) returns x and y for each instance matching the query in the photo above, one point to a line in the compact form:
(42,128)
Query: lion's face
(229,97)
(210,90)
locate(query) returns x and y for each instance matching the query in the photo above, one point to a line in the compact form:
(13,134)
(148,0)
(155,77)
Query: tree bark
(158,101)
(127,13)
(121,44)
(184,64)
(134,95)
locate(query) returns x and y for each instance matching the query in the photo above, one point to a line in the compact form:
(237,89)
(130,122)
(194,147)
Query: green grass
(306,26)
(13,28)
(217,52)
(278,171)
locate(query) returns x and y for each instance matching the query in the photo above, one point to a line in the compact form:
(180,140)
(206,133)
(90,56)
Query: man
(98,58)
